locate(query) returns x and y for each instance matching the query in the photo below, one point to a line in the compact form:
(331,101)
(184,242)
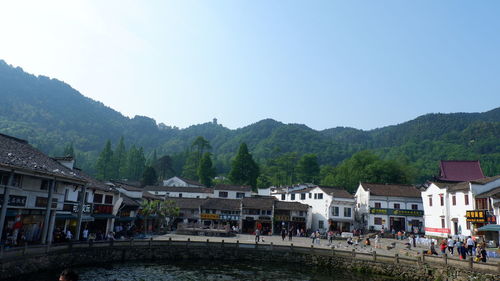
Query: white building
(232,191)
(459,208)
(326,203)
(388,206)
(181,182)
(180,192)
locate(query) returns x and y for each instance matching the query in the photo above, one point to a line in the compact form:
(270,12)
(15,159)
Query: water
(207,271)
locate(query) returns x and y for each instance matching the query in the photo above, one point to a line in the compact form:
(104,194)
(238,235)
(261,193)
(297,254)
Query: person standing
(85,234)
(290,234)
(283,234)
(470,246)
(451,245)
(69,235)
(257,235)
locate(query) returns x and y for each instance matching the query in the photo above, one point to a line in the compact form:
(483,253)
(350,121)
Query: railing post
(471,262)
(374,253)
(111,242)
(256,244)
(291,247)
(237,243)
(47,248)
(150,242)
(187,242)
(333,251)
(423,256)
(70,245)
(169,241)
(271,246)
(91,242)
(131,242)
(396,258)
(2,248)
(445,259)
(25,248)
(353,253)
(312,249)
(222,243)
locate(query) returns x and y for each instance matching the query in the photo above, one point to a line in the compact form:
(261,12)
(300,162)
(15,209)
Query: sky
(361,64)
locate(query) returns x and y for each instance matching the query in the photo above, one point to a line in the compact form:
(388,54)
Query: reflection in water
(207,271)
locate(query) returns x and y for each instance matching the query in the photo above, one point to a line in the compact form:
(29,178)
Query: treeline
(283,170)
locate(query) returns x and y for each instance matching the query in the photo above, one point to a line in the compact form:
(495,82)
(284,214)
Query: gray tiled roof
(18,154)
(396,190)
(242,188)
(221,204)
(293,206)
(265,203)
(186,189)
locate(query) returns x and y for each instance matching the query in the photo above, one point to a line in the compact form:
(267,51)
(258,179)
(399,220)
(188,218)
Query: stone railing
(28,259)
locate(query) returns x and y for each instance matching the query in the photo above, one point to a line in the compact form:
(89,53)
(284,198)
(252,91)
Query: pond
(206,271)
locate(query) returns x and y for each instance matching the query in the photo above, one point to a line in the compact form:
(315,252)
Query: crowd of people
(468,247)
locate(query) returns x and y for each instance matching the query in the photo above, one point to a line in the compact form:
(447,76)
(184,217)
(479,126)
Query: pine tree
(206,171)
(104,165)
(120,160)
(69,150)
(244,170)
(308,169)
(149,176)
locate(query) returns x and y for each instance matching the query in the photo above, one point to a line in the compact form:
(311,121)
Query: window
(180,195)
(347,212)
(442,223)
(318,195)
(44,185)
(310,195)
(414,206)
(397,206)
(98,198)
(335,211)
(292,197)
(441,199)
(430,200)
(240,195)
(108,199)
(321,224)
(482,204)
(223,194)
(378,205)
(283,196)
(377,221)
(301,213)
(453,200)
(468,225)
(302,196)
(466,199)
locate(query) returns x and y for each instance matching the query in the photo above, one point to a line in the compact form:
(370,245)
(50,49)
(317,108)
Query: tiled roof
(127,201)
(485,180)
(18,154)
(495,193)
(396,190)
(130,187)
(192,182)
(458,171)
(186,189)
(243,188)
(221,204)
(338,192)
(150,196)
(187,203)
(305,190)
(264,202)
(292,206)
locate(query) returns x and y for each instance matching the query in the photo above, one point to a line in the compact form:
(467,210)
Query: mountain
(50,115)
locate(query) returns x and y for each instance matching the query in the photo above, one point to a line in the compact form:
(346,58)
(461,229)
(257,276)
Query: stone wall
(83,255)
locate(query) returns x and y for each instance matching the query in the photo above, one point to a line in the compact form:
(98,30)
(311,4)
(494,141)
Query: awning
(87,218)
(66,217)
(489,227)
(103,216)
(125,218)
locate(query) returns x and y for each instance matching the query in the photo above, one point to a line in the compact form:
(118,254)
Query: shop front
(399,219)
(103,219)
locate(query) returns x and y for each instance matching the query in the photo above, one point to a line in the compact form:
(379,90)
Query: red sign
(439,230)
(103,209)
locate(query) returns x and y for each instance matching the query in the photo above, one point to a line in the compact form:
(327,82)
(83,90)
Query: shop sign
(249,218)
(476,216)
(209,216)
(298,219)
(14,200)
(230,217)
(103,209)
(492,219)
(437,230)
(86,208)
(265,218)
(397,212)
(41,202)
(281,218)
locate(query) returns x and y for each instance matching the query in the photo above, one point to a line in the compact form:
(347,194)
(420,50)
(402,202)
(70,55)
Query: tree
(104,165)
(206,172)
(120,160)
(135,163)
(200,144)
(69,150)
(308,169)
(159,212)
(244,170)
(149,176)
(164,166)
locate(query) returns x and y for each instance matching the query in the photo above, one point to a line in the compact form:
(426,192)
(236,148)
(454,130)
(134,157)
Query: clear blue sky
(363,64)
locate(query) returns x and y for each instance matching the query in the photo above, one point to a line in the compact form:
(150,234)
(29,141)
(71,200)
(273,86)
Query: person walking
(470,246)
(85,234)
(451,245)
(257,235)
(290,234)
(283,234)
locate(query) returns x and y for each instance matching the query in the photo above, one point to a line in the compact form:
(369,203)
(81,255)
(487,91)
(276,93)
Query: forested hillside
(51,115)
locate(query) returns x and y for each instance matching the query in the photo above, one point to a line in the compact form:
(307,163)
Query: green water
(207,271)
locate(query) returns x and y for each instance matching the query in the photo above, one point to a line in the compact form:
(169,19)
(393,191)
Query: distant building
(180,192)
(232,191)
(181,182)
(390,206)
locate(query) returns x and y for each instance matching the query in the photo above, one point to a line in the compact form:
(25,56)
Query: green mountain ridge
(50,114)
